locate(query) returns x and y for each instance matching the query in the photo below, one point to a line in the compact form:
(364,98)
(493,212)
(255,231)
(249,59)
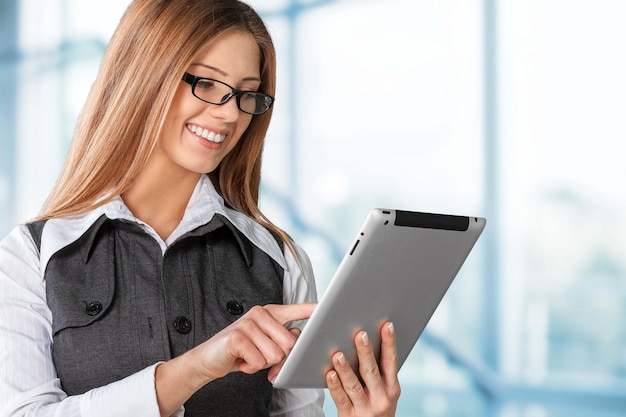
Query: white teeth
(207,134)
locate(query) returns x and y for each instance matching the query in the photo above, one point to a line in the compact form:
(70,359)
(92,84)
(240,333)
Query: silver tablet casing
(399,268)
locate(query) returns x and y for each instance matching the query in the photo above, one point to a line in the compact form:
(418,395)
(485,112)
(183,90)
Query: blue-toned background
(514,110)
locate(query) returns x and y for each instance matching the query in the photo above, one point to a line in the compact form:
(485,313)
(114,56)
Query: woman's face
(196,135)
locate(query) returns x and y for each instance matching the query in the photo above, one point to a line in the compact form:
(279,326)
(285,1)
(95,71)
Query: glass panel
(563,94)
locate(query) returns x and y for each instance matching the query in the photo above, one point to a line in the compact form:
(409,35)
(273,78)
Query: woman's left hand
(381,390)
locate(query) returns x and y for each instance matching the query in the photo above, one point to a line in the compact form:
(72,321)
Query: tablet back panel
(399,268)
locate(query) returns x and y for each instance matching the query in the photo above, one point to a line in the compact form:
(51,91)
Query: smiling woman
(381,103)
(153,233)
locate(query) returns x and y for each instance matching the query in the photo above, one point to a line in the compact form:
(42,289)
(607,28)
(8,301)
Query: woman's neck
(159,197)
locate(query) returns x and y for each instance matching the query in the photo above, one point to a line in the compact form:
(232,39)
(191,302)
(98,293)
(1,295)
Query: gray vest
(118,305)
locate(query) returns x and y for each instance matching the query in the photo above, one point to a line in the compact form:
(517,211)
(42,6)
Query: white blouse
(28,381)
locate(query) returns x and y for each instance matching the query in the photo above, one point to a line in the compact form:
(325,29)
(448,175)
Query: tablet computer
(398,269)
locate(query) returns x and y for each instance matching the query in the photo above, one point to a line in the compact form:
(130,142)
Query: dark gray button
(234,307)
(93,308)
(182,325)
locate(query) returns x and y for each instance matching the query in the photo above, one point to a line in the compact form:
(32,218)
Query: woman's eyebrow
(221,72)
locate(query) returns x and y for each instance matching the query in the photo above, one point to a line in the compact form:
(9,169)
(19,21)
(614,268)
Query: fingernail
(365,339)
(341,359)
(392,329)
(333,376)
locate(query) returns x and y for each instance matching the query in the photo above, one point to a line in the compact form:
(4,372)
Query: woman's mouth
(206,134)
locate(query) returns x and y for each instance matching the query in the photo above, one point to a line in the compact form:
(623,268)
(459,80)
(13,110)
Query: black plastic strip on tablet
(431,221)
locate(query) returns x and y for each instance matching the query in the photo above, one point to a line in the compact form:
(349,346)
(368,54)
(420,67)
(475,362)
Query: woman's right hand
(257,340)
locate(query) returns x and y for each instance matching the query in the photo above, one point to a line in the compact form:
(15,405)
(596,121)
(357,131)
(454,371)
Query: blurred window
(513,110)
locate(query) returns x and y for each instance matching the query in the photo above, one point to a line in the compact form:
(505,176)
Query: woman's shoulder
(19,260)
(41,239)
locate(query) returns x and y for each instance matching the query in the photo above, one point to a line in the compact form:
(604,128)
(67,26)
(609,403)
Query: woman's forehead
(233,53)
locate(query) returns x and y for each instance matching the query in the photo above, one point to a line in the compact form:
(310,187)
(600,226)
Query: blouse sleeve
(298,287)
(28,380)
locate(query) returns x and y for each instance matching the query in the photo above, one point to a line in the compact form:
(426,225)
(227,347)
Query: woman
(151,284)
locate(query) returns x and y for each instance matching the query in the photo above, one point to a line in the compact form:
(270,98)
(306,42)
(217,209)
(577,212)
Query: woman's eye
(249,96)
(205,84)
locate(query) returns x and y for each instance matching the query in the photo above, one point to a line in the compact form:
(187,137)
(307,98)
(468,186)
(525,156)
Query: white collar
(204,204)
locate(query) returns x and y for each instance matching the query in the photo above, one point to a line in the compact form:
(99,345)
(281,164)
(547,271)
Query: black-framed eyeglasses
(216,92)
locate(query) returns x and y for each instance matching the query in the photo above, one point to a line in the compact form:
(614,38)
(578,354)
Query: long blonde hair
(153,45)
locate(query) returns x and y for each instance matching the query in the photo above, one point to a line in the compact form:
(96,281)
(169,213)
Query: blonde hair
(118,128)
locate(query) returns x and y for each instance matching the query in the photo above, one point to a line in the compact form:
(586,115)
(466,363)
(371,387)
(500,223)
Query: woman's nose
(228,112)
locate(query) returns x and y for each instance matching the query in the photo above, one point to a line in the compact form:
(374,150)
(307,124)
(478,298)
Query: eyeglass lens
(216,92)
